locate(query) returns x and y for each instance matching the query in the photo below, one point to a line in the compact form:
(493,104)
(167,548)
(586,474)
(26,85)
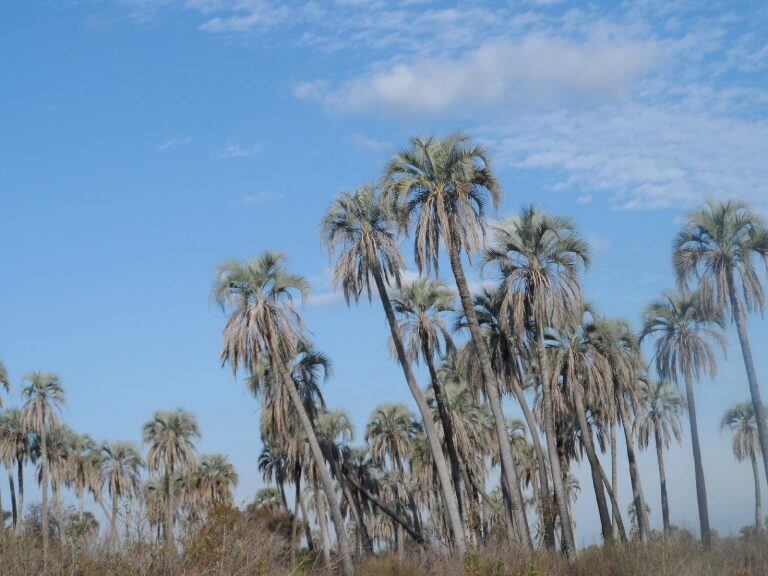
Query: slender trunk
(446,487)
(508,470)
(634,475)
(14,508)
(44,490)
(295,524)
(749,364)
(614,472)
(394,516)
(409,494)
(364,539)
(701,488)
(283,499)
(170,547)
(80,503)
(554,460)
(59,511)
(317,455)
(616,511)
(304,516)
(594,464)
(548,518)
(20,477)
(758,495)
(113,524)
(662,476)
(445,420)
(322,522)
(508,501)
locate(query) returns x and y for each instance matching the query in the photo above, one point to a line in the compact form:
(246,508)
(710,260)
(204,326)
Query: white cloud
(251,15)
(238,151)
(367,143)
(535,70)
(174,142)
(258,199)
(585,199)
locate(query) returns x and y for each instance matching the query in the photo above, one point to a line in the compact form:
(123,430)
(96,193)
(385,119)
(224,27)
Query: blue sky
(144,141)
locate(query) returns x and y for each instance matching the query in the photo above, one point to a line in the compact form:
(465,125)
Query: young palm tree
(443,186)
(661,405)
(216,477)
(720,244)
(684,329)
(358,229)
(43,397)
(421,305)
(539,257)
(740,421)
(264,328)
(170,435)
(120,471)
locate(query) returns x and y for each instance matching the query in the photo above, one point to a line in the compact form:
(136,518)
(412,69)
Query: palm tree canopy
(358,228)
(719,239)
(389,432)
(740,421)
(43,397)
(444,186)
(659,408)
(258,295)
(169,435)
(215,478)
(685,330)
(120,471)
(538,257)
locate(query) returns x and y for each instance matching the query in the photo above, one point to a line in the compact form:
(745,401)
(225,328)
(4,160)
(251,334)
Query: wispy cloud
(367,143)
(258,198)
(232,150)
(174,142)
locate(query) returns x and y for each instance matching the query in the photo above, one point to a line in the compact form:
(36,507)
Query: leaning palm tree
(740,421)
(538,257)
(661,404)
(443,186)
(169,436)
(120,471)
(358,229)
(720,245)
(684,329)
(43,397)
(264,327)
(421,305)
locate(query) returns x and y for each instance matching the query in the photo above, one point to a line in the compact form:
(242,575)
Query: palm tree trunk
(614,471)
(662,476)
(168,525)
(701,488)
(617,522)
(59,511)
(749,364)
(20,476)
(295,524)
(14,509)
(409,493)
(597,481)
(322,522)
(317,455)
(283,499)
(113,524)
(445,420)
(446,487)
(364,539)
(634,475)
(44,490)
(509,472)
(554,460)
(758,496)
(304,516)
(548,519)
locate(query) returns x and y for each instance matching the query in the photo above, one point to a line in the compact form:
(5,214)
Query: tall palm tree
(740,421)
(720,245)
(170,437)
(264,327)
(121,473)
(421,306)
(43,397)
(358,230)
(661,404)
(443,186)
(15,451)
(684,329)
(538,257)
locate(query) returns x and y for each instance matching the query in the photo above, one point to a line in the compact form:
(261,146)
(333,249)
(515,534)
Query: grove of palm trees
(513,380)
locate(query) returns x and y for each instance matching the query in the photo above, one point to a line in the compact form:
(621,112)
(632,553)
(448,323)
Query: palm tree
(216,477)
(358,229)
(538,257)
(85,468)
(684,328)
(120,470)
(273,466)
(15,451)
(720,244)
(443,185)
(421,305)
(740,421)
(660,415)
(43,397)
(264,328)
(170,435)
